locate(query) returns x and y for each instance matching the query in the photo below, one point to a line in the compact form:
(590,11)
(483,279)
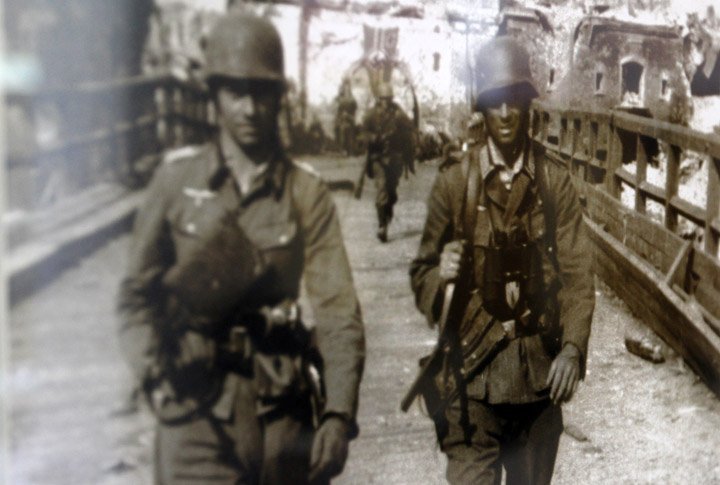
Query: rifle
(448,352)
(361,179)
(431,365)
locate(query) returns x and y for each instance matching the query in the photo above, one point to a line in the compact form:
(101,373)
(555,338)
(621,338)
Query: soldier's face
(248,111)
(506,120)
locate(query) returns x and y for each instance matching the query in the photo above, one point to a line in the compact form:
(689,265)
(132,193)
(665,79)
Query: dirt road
(631,421)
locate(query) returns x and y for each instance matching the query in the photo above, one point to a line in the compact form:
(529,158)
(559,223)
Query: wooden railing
(114,131)
(669,280)
(598,144)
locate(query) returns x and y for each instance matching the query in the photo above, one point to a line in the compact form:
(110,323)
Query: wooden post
(612,185)
(671,186)
(593,142)
(640,173)
(575,127)
(712,209)
(161,125)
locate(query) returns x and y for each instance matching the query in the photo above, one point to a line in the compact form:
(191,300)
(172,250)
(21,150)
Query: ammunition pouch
(213,280)
(274,346)
(271,346)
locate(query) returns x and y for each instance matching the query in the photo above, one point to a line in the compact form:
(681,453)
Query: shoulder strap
(471,174)
(548,200)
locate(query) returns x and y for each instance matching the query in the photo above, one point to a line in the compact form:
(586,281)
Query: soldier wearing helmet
(505,230)
(391,147)
(210,321)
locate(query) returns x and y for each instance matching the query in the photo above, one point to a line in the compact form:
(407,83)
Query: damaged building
(630,66)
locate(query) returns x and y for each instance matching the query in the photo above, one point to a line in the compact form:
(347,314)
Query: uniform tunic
(391,147)
(289,215)
(508,400)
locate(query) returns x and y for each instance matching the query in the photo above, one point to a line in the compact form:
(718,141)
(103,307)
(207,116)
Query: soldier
(391,147)
(505,228)
(210,320)
(345,119)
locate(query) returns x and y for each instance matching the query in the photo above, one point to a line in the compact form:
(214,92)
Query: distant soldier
(345,119)
(316,136)
(210,322)
(504,268)
(391,148)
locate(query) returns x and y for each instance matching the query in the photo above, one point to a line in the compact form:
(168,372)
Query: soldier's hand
(564,374)
(329,450)
(450,260)
(195,349)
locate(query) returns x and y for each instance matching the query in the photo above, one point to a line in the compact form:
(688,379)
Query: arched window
(632,75)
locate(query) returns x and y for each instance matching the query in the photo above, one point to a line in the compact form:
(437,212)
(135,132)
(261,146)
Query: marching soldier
(391,147)
(505,231)
(210,325)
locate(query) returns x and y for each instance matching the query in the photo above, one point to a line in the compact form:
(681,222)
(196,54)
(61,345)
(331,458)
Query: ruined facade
(638,67)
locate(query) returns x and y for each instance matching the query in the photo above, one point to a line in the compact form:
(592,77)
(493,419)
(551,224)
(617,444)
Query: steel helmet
(502,63)
(244,46)
(385,90)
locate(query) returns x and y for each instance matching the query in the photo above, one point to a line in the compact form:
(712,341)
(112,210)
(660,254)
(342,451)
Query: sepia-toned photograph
(393,242)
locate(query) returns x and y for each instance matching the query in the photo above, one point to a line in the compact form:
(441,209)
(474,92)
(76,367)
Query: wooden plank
(640,174)
(707,271)
(662,309)
(709,318)
(677,264)
(690,211)
(625,176)
(669,132)
(614,162)
(653,192)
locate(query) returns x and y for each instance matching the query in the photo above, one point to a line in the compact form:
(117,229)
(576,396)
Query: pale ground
(642,423)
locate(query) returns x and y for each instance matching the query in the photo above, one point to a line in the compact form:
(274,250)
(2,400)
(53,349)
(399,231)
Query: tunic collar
(270,174)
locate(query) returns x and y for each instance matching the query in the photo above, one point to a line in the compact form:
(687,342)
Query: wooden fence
(671,282)
(600,143)
(74,138)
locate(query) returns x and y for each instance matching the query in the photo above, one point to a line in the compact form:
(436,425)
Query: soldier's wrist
(348,424)
(571,350)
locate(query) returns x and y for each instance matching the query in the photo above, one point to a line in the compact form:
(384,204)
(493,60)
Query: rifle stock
(436,400)
(433,363)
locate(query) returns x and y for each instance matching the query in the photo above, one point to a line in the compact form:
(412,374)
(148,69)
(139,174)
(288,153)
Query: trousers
(246,449)
(386,174)
(522,438)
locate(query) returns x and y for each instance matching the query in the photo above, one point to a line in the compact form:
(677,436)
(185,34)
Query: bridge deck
(631,422)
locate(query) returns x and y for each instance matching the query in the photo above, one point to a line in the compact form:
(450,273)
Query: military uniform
(511,419)
(390,148)
(256,430)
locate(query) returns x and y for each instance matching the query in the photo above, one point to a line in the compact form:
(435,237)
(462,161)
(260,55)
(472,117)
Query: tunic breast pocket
(279,243)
